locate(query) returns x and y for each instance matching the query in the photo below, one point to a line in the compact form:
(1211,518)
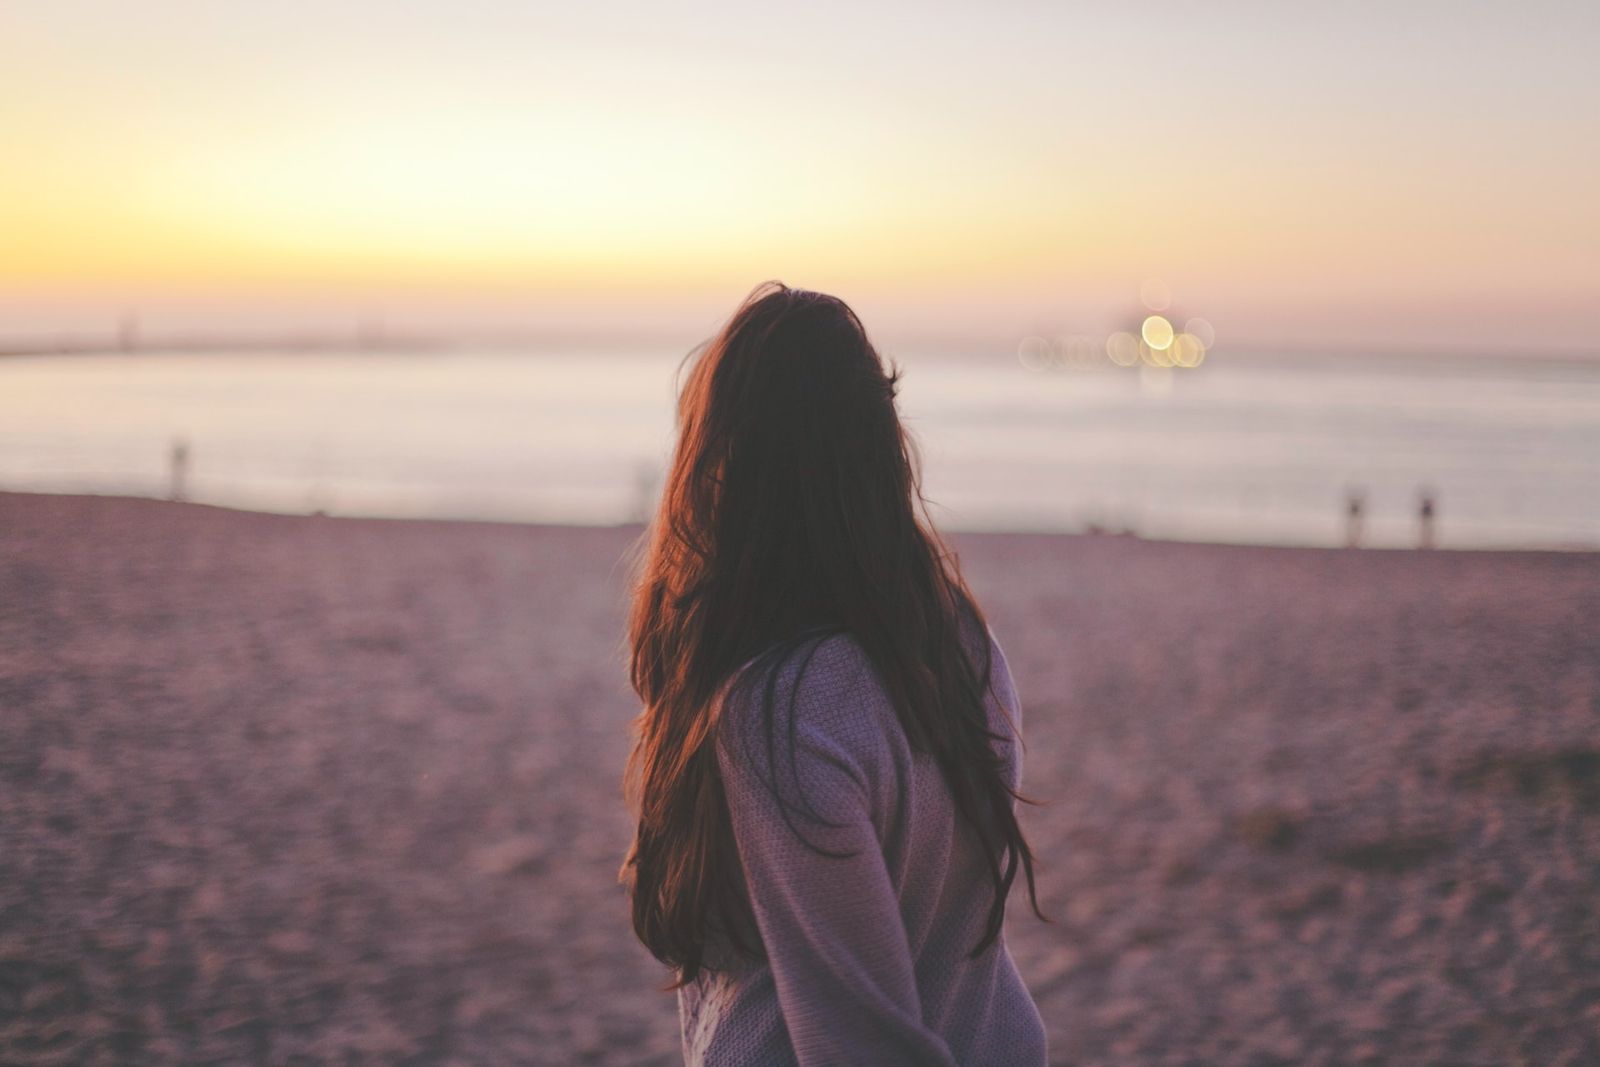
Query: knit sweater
(866,950)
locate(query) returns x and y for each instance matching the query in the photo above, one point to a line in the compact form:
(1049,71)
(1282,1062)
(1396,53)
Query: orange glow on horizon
(267,151)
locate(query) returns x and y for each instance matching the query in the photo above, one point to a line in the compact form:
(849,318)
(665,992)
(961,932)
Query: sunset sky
(1415,175)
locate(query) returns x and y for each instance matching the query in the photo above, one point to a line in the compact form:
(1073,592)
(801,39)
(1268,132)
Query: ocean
(1257,449)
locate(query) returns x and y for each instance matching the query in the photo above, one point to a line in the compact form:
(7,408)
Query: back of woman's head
(791,510)
(791,493)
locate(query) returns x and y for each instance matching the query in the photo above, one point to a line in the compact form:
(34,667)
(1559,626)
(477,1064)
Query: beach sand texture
(308,790)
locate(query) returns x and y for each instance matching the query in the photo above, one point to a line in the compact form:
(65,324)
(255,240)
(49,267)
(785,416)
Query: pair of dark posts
(1355,506)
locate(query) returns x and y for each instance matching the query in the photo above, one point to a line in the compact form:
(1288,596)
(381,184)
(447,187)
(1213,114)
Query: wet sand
(308,790)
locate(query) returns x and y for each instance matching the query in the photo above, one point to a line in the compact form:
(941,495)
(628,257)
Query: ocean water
(1254,450)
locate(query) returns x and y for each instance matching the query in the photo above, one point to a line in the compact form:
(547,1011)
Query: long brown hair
(792,510)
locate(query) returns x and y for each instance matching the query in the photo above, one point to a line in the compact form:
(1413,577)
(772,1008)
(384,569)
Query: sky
(1341,175)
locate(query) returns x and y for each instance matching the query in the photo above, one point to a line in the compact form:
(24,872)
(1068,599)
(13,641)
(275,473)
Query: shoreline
(1572,549)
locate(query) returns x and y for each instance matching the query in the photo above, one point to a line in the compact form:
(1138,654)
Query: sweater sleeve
(829,920)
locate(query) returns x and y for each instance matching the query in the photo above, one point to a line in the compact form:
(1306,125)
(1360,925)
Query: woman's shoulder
(1001,683)
(812,724)
(825,682)
(828,682)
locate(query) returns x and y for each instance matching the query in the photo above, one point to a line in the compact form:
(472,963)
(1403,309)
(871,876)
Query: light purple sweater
(867,955)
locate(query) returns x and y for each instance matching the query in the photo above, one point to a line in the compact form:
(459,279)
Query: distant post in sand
(180,470)
(1355,505)
(1426,509)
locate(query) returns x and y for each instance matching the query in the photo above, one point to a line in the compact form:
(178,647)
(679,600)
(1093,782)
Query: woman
(827,761)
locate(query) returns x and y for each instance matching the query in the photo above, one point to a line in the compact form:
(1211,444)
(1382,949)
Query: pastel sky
(1415,175)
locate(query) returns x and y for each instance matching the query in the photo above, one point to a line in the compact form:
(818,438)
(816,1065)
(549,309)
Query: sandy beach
(316,790)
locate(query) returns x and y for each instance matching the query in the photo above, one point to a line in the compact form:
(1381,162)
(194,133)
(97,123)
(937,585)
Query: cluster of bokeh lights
(1161,344)
(1156,343)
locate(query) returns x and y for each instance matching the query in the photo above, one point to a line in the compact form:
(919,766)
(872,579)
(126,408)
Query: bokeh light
(1034,353)
(1187,351)
(1123,348)
(1154,357)
(1202,330)
(1157,332)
